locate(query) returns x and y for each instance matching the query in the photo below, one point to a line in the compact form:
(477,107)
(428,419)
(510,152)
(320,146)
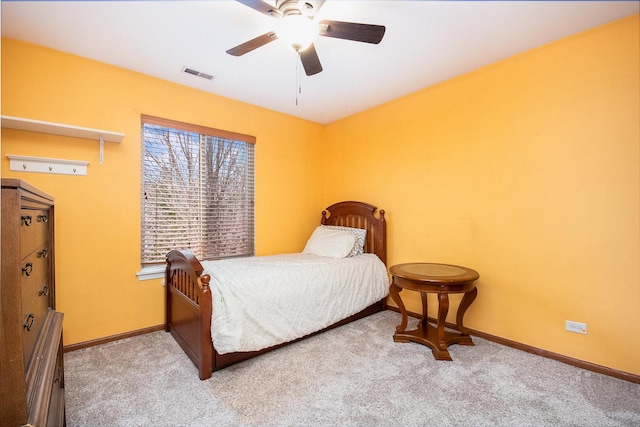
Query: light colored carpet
(352,376)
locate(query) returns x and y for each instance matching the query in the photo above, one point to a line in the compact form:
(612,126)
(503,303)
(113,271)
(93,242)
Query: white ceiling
(426,42)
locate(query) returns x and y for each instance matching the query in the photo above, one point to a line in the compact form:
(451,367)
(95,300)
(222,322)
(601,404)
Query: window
(197,191)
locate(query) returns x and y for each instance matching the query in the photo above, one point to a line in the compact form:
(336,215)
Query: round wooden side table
(442,279)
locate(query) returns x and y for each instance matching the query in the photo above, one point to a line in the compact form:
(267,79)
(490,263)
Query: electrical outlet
(577,327)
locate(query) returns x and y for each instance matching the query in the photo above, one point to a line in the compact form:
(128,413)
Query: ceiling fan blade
(252,44)
(310,61)
(366,33)
(262,7)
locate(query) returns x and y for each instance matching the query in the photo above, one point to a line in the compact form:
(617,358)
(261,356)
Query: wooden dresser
(31,366)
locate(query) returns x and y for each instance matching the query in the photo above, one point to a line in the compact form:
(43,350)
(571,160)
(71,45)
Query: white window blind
(197,191)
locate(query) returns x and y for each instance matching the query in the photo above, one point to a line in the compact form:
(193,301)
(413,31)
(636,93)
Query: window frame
(156,270)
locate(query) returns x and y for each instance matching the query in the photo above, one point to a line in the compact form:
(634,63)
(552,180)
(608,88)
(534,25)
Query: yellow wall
(98,216)
(528,171)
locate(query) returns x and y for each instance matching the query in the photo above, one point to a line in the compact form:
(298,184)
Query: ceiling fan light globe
(297,32)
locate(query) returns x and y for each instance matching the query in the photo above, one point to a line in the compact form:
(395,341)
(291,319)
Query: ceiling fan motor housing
(294,7)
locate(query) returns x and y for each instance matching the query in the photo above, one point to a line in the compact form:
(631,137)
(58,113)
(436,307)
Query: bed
(190,306)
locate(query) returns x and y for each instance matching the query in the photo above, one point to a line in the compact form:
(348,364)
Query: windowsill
(150,273)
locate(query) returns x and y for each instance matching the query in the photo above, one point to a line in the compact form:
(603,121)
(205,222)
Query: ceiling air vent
(197,73)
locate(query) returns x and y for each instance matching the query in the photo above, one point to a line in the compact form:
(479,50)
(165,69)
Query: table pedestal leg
(394,293)
(443,308)
(425,310)
(467,299)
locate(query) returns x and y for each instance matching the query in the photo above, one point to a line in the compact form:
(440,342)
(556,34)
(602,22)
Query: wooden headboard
(361,215)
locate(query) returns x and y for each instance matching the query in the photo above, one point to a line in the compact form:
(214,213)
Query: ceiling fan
(298,29)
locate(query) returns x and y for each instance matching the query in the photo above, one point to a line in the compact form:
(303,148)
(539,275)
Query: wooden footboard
(188,309)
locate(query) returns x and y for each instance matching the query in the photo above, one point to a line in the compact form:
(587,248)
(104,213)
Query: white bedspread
(262,301)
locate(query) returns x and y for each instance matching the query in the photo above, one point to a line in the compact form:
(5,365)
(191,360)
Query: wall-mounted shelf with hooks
(40,126)
(45,165)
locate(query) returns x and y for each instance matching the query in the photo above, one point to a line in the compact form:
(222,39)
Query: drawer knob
(28,269)
(43,253)
(28,321)
(26,220)
(43,218)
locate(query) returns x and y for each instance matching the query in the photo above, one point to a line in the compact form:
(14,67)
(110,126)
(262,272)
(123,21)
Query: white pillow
(330,243)
(360,233)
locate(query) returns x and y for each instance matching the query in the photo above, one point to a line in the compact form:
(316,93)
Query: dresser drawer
(32,321)
(36,277)
(34,230)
